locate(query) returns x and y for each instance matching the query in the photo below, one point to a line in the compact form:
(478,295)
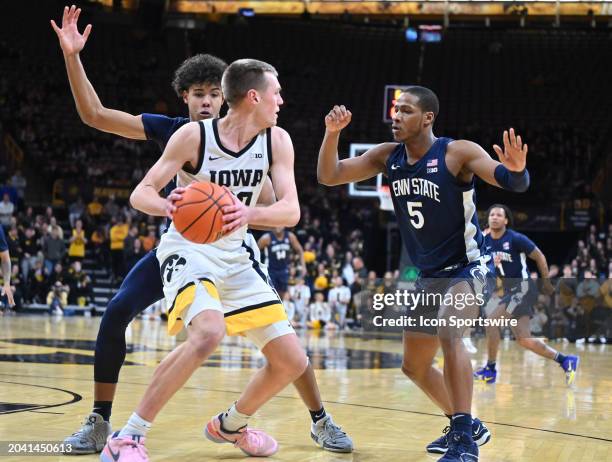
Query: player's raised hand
(71,40)
(235,216)
(514,154)
(337,119)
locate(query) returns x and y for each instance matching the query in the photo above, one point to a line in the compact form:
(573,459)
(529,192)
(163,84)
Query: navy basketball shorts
(518,300)
(432,290)
(280,280)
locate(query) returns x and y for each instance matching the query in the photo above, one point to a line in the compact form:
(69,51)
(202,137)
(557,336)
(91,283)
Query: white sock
(234,420)
(136,425)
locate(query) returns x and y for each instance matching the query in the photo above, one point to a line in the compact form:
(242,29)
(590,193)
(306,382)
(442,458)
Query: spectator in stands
(54,249)
(31,249)
(76,211)
(27,218)
(14,245)
(100,246)
(128,244)
(339,298)
(588,294)
(539,319)
(359,269)
(7,208)
(59,274)
(19,182)
(149,241)
(134,255)
(320,312)
(118,233)
(300,294)
(80,285)
(53,225)
(348,273)
(48,215)
(57,298)
(37,284)
(94,211)
(17,287)
(111,209)
(78,241)
(372,284)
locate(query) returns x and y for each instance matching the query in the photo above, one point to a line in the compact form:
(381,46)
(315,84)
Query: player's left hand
(235,216)
(514,154)
(8,291)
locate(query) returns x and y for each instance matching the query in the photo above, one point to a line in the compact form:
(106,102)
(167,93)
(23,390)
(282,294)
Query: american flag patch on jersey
(432,163)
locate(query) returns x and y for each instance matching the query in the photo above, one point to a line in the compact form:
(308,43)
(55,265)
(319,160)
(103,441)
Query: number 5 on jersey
(417,219)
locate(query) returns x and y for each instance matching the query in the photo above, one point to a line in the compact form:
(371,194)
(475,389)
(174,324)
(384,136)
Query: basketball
(198,213)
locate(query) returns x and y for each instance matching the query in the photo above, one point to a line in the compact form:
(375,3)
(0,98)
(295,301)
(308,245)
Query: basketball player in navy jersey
(198,82)
(279,244)
(432,186)
(509,250)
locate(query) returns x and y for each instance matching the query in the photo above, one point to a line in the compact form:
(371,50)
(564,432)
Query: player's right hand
(337,119)
(175,196)
(70,39)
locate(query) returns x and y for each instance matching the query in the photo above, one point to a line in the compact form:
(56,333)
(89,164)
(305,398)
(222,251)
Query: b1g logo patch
(171,266)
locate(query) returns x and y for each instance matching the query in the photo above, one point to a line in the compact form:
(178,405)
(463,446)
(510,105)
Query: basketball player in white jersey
(217,288)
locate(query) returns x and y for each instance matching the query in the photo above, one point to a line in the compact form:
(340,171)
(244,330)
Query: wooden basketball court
(46,370)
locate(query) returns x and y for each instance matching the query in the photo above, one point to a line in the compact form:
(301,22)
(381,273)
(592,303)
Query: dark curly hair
(201,68)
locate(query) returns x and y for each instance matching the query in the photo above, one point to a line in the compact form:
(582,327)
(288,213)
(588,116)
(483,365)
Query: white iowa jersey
(242,172)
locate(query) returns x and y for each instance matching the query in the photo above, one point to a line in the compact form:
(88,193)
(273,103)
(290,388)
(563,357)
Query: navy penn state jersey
(160,128)
(435,211)
(278,253)
(513,249)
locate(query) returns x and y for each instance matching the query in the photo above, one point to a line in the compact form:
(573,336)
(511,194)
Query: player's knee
(204,344)
(413,371)
(291,362)
(295,365)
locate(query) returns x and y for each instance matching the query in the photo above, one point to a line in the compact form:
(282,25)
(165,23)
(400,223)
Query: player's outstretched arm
(538,256)
(330,170)
(264,241)
(286,210)
(88,104)
(181,148)
(510,173)
(297,248)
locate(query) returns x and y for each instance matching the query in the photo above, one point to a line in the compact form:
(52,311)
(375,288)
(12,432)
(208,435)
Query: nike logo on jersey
(214,158)
(394,167)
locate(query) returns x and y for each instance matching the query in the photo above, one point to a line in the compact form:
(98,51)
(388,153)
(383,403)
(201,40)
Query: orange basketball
(198,214)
